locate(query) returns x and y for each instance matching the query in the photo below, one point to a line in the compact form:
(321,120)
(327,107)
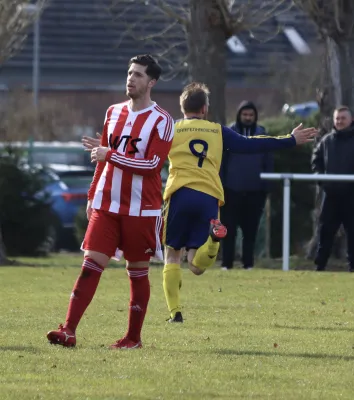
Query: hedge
(25,213)
(295,160)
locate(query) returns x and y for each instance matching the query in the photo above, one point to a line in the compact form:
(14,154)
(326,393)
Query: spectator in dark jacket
(245,191)
(335,155)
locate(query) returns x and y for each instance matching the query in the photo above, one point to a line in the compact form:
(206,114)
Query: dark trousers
(244,210)
(336,210)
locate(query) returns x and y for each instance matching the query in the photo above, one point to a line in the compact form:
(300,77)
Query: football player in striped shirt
(124,201)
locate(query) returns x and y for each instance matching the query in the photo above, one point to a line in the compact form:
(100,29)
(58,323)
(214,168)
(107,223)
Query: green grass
(261,334)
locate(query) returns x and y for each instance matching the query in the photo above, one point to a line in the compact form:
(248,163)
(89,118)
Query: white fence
(286,201)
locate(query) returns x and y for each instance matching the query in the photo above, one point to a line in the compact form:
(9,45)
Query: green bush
(25,214)
(295,160)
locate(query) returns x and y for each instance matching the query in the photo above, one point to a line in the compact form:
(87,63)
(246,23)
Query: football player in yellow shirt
(194,191)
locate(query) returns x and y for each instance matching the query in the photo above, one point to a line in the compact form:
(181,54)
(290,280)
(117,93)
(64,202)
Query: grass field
(261,334)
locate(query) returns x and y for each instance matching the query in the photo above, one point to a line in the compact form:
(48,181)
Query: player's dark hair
(343,108)
(194,97)
(153,69)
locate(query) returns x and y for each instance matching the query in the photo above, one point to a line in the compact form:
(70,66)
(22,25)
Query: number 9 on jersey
(199,148)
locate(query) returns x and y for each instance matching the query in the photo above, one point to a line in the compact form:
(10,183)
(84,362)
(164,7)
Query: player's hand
(304,135)
(90,142)
(89,209)
(98,154)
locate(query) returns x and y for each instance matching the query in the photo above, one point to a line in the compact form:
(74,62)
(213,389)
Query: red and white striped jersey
(129,182)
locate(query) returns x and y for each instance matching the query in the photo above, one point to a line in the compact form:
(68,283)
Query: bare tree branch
(165,24)
(161,33)
(253,14)
(334,18)
(159,24)
(297,78)
(174,69)
(171,13)
(14,21)
(168,49)
(17,117)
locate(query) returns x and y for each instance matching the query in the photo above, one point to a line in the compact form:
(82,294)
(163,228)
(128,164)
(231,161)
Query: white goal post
(287,177)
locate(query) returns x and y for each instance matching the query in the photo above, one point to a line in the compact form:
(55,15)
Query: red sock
(83,292)
(139,299)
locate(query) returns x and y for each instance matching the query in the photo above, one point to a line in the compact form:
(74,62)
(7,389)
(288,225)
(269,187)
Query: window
(296,40)
(235,45)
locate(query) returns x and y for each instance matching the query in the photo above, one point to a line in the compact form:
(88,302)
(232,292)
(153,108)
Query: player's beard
(248,123)
(137,94)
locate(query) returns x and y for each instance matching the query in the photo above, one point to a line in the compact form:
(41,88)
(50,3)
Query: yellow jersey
(195,158)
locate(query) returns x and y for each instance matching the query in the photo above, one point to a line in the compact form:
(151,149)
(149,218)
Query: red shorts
(139,238)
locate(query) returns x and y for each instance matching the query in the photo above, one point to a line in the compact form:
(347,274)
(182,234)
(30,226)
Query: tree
(18,115)
(334,20)
(14,25)
(297,78)
(193,34)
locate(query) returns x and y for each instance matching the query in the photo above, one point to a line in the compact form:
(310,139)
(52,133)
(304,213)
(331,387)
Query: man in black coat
(245,192)
(335,155)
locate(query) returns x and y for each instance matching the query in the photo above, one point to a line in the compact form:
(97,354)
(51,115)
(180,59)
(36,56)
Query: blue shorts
(187,218)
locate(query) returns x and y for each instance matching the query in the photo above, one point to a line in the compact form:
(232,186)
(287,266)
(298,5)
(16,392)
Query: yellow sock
(172,281)
(206,254)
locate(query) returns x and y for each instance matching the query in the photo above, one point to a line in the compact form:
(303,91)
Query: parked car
(44,153)
(303,110)
(66,188)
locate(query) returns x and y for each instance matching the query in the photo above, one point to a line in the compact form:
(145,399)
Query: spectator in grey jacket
(245,191)
(335,155)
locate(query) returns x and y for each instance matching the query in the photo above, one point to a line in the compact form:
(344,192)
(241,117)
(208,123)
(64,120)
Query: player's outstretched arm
(237,143)
(304,135)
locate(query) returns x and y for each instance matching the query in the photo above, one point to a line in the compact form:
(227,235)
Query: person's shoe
(177,318)
(63,336)
(217,230)
(126,344)
(319,268)
(248,268)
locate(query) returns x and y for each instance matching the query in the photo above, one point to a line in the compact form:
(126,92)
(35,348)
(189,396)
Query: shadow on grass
(16,263)
(27,349)
(275,353)
(315,328)
(297,263)
(63,260)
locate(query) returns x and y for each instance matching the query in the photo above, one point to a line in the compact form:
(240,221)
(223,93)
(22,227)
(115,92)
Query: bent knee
(137,264)
(100,258)
(195,270)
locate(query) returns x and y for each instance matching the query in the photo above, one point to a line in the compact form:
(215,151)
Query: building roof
(85,43)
